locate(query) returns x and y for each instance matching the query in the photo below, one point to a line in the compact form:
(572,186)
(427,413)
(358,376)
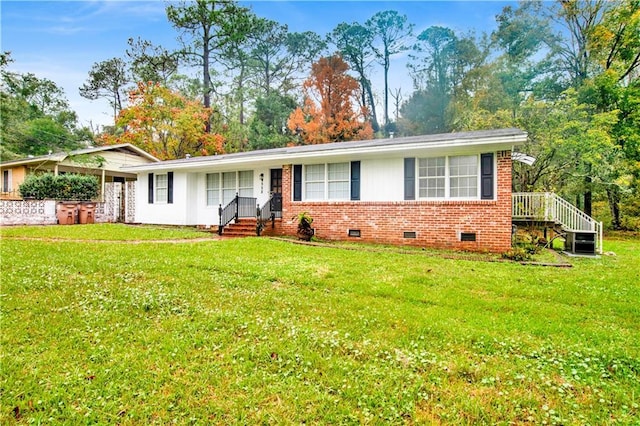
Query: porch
(582,233)
(243,216)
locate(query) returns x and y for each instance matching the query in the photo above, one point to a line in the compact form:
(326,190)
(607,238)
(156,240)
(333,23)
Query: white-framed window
(221,188)
(314,181)
(338,181)
(463,176)
(162,188)
(213,189)
(228,187)
(245,183)
(448,177)
(432,177)
(327,181)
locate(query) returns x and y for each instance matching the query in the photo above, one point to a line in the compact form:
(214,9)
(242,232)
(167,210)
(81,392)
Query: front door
(276,189)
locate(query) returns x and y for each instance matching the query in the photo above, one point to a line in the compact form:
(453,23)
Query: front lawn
(256,330)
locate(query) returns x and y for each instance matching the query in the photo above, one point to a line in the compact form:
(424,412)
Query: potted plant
(305,231)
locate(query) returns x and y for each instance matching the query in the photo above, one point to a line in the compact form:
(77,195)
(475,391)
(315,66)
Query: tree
(151,63)
(268,124)
(615,41)
(35,115)
(328,113)
(165,124)
(390,31)
(354,42)
(107,79)
(207,26)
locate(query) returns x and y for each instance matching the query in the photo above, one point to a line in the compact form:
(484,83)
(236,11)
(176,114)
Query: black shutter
(297,182)
(170,188)
(409,178)
(355,180)
(150,182)
(486,176)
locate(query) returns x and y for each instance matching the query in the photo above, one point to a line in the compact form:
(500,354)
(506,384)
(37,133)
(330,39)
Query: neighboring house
(103,161)
(449,190)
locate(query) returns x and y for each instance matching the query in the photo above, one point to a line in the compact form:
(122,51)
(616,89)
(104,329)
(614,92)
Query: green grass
(261,331)
(104,232)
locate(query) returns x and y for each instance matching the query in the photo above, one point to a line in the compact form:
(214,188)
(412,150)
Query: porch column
(103,185)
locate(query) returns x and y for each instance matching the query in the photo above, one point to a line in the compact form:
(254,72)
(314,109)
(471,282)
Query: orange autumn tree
(165,124)
(330,112)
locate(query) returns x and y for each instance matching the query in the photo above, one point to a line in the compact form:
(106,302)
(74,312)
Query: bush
(62,187)
(517,254)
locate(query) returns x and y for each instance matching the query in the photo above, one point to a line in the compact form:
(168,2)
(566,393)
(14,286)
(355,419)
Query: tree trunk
(588,194)
(613,196)
(372,105)
(386,88)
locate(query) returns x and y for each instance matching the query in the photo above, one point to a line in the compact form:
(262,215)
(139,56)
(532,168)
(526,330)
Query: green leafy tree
(36,117)
(268,124)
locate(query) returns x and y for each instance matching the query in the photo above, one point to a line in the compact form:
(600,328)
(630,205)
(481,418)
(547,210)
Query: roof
(61,156)
(503,139)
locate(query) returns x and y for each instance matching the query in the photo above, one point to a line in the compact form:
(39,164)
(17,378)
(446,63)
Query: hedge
(62,187)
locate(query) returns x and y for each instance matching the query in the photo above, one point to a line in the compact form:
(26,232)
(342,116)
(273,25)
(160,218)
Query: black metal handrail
(237,208)
(271,210)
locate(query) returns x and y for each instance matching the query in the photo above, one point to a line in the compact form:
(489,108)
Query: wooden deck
(549,208)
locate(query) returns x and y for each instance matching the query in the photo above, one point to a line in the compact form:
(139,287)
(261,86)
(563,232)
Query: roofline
(112,147)
(61,156)
(501,139)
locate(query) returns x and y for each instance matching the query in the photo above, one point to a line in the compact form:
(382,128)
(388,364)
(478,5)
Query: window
(314,182)
(431,177)
(221,188)
(6,181)
(463,176)
(228,187)
(327,181)
(245,183)
(162,188)
(445,177)
(213,189)
(338,181)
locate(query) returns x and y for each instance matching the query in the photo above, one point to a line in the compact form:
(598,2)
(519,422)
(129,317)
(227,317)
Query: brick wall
(435,223)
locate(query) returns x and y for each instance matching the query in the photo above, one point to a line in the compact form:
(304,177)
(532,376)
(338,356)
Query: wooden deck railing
(549,207)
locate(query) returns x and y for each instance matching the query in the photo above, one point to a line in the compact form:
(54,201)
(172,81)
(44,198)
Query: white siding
(382,179)
(165,214)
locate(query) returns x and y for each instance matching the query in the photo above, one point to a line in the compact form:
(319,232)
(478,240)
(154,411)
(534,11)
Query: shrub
(61,187)
(517,254)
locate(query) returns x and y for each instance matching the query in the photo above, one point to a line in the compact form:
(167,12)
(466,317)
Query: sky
(61,40)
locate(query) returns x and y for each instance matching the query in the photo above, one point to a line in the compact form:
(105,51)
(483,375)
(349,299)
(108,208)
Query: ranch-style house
(449,190)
